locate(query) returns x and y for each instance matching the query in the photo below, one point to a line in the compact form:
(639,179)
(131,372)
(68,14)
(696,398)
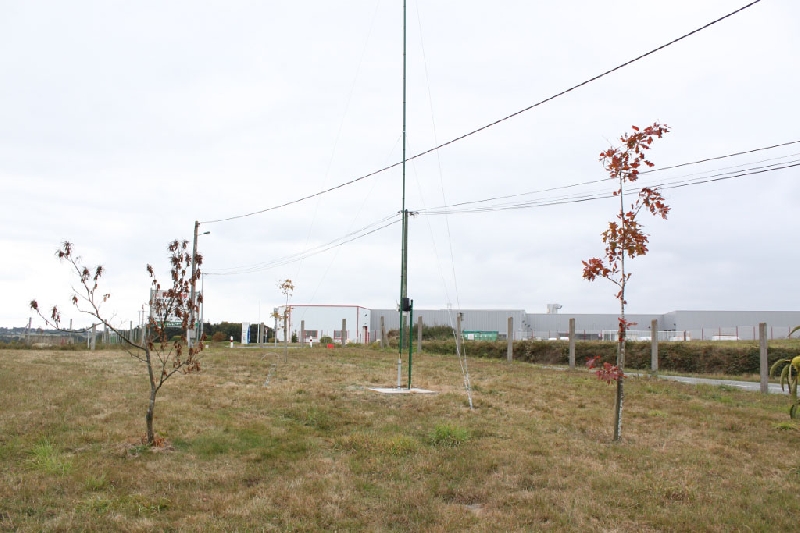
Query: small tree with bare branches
(625,238)
(162,358)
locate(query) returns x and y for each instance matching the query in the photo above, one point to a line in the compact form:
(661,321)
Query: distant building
(317,321)
(672,326)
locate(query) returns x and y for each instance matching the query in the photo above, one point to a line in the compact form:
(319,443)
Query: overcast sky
(121,123)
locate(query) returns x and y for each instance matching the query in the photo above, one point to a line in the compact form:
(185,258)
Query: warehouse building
(362,325)
(672,326)
(313,322)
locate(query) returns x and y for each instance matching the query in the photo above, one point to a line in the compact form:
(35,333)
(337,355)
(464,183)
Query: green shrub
(688,357)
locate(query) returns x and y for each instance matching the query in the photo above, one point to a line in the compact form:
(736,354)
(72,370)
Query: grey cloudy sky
(121,123)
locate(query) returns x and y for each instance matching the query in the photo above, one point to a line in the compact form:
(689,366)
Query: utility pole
(275,330)
(190,327)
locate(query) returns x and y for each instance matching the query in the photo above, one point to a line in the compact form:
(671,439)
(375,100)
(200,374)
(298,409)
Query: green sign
(480,335)
(177,324)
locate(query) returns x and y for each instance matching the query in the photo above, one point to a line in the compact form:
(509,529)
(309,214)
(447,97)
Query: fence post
(302,338)
(654,345)
(762,337)
(344,332)
(458,334)
(383,333)
(572,344)
(419,334)
(94,337)
(510,349)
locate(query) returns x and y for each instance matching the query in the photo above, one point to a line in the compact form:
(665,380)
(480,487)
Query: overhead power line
(471,208)
(642,173)
(293,258)
(706,160)
(487,126)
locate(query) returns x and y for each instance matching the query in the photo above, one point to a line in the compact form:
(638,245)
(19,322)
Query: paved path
(773,388)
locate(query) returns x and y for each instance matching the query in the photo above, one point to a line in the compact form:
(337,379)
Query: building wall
(327,321)
(705,325)
(472,319)
(698,325)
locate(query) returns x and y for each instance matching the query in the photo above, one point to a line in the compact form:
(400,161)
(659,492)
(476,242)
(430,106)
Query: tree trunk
(151,437)
(623,327)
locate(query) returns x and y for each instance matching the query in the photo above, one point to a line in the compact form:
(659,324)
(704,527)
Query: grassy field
(316,450)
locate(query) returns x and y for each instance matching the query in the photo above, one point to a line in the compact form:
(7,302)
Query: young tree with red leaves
(162,358)
(625,238)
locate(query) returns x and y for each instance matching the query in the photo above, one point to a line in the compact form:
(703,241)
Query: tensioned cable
(459,353)
(487,126)
(363,203)
(341,123)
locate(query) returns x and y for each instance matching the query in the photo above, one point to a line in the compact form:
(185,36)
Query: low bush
(689,357)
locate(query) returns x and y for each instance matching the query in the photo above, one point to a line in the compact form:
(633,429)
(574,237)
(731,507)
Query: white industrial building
(312,322)
(363,325)
(675,325)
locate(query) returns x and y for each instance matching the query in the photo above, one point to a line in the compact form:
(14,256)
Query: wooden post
(344,332)
(419,334)
(654,345)
(572,344)
(94,337)
(302,338)
(383,333)
(762,337)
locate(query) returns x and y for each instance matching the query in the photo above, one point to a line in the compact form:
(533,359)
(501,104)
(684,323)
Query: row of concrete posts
(762,338)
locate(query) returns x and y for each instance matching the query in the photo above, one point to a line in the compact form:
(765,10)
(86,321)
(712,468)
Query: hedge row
(688,357)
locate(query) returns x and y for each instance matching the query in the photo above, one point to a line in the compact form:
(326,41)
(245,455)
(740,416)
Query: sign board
(172,321)
(178,324)
(480,335)
(245,332)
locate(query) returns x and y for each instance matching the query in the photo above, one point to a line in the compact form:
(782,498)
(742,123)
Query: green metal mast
(404,250)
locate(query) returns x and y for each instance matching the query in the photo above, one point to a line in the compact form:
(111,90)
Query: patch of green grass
(448,435)
(46,458)
(95,483)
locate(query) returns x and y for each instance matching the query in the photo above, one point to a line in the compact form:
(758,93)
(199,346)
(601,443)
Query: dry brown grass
(315,450)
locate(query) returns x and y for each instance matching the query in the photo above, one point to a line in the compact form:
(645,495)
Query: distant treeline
(225,330)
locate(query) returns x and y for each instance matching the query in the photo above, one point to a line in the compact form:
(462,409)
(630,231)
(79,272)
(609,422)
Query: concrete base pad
(395,390)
